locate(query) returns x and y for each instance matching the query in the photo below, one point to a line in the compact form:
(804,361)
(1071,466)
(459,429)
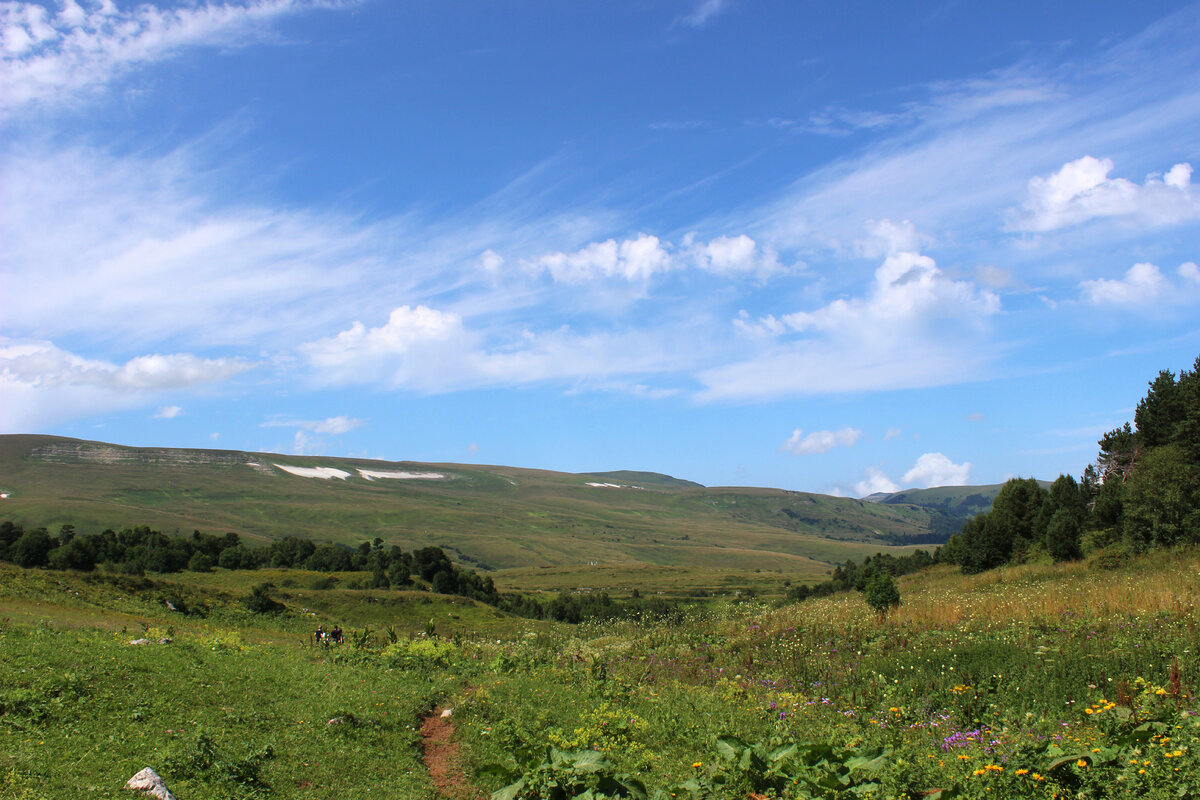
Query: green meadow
(486,517)
(1040,680)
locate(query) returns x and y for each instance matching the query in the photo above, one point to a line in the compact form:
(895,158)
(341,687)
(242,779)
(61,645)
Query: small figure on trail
(322,636)
(336,633)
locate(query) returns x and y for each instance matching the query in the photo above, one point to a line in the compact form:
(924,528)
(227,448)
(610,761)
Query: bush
(260,602)
(881,592)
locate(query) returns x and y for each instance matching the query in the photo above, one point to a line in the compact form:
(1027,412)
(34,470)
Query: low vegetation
(1065,669)
(1028,681)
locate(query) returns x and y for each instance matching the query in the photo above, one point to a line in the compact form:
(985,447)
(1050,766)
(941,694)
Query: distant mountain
(959,502)
(486,516)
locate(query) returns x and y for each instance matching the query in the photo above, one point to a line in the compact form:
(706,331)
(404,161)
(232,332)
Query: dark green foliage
(1062,536)
(32,549)
(881,592)
(260,602)
(398,574)
(78,554)
(1162,500)
(200,562)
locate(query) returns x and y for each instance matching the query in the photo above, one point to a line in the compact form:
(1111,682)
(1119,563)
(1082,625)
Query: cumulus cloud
(48,55)
(876,481)
(632,260)
(41,383)
(168,412)
(1142,284)
(1082,191)
(931,469)
(731,256)
(428,350)
(645,257)
(816,442)
(913,327)
(1190,273)
(40,363)
(934,469)
(885,237)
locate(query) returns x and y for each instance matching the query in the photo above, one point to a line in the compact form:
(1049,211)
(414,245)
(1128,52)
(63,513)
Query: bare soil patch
(444,761)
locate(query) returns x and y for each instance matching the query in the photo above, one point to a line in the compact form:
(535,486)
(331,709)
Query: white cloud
(1190,272)
(934,469)
(168,412)
(733,255)
(433,351)
(913,327)
(876,481)
(632,260)
(48,57)
(885,237)
(41,383)
(704,11)
(40,363)
(892,433)
(1082,191)
(330,425)
(647,256)
(820,441)
(1142,284)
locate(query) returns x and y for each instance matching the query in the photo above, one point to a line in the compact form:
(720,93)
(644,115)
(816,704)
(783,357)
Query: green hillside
(488,517)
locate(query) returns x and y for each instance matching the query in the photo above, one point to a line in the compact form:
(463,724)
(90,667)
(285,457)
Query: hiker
(322,636)
(336,633)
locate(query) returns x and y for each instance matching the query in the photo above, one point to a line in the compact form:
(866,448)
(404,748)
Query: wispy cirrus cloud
(328,426)
(49,55)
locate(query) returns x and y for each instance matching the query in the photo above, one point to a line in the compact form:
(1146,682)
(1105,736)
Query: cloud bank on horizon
(402,234)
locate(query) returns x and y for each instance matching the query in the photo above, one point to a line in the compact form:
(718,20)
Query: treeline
(859,576)
(598,607)
(140,549)
(1143,491)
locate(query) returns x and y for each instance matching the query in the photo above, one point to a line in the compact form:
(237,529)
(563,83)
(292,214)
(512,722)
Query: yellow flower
(1088,711)
(964,758)
(1081,763)
(979,772)
(698,764)
(1022,771)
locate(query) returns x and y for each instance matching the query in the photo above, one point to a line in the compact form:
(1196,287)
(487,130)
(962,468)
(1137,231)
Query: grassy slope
(1029,652)
(494,517)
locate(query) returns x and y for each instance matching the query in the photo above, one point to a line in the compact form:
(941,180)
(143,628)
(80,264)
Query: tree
(1161,504)
(32,549)
(881,592)
(399,574)
(199,562)
(1062,535)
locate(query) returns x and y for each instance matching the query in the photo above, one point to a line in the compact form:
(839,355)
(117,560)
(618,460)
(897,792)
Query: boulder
(148,782)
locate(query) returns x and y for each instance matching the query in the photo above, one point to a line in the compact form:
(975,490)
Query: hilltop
(488,517)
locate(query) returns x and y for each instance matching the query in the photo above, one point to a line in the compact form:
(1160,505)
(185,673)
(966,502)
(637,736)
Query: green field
(1033,681)
(491,518)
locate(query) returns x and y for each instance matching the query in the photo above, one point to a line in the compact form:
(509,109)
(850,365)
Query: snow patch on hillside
(324,473)
(613,485)
(371,474)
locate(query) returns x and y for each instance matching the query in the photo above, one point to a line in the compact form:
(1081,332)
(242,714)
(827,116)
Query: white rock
(148,782)
(447,712)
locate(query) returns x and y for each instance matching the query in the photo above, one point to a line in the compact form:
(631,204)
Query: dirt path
(443,760)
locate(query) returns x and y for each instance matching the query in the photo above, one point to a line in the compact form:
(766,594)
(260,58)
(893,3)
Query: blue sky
(834,247)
